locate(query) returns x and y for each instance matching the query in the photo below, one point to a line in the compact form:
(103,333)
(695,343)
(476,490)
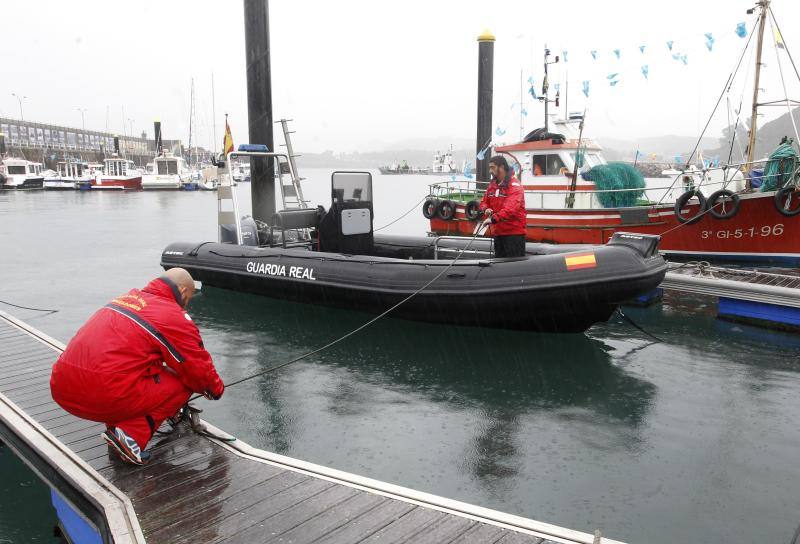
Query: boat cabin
(71,169)
(545,163)
(119,167)
(21,167)
(168,165)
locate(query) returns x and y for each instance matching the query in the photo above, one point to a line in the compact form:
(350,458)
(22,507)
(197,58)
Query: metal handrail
(460,239)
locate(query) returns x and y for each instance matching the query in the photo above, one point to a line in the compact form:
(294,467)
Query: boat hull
(757,233)
(115,183)
(539,292)
(28,184)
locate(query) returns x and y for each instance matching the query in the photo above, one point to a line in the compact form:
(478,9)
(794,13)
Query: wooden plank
(179,514)
(42,398)
(271,518)
(14,389)
(356,530)
(354,507)
(449,527)
(18,397)
(43,410)
(39,376)
(224,514)
(519,538)
(414,522)
(33,357)
(481,533)
(23,370)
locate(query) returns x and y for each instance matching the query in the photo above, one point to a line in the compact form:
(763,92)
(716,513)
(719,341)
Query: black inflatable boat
(335,259)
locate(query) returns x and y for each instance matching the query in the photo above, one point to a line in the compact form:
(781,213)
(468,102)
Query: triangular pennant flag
(741,31)
(709,40)
(612,76)
(564,53)
(586,89)
(613,83)
(594,54)
(669,45)
(778,39)
(530,80)
(641,48)
(645,70)
(557,86)
(617,52)
(499,131)
(524,112)
(532,92)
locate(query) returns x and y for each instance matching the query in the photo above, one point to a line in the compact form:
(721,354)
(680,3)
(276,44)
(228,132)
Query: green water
(691,440)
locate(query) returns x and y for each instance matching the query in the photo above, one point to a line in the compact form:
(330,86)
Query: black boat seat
(295,219)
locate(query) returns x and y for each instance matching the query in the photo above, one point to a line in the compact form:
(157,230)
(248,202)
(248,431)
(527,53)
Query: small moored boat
(334,258)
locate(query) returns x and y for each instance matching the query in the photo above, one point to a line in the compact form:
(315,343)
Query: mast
(213,115)
(521,120)
(764,4)
(191,116)
(545,87)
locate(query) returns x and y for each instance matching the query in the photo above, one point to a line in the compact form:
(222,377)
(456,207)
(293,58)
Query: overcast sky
(363,75)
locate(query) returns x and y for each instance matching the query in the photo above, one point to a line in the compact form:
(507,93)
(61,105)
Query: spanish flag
(580,260)
(227,143)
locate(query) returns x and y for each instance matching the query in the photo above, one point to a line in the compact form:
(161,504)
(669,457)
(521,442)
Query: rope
(360,328)
(625,316)
(28,307)
(414,207)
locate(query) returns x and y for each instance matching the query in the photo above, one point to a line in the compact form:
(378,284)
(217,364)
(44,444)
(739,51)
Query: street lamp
(20,99)
(83,118)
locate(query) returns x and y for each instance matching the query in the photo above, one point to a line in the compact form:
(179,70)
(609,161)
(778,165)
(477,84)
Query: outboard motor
(249,228)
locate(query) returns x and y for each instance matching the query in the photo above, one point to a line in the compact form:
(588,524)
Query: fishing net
(780,167)
(616,176)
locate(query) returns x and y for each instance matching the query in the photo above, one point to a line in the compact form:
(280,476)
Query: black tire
(681,202)
(472,210)
(781,198)
(713,204)
(429,208)
(446,210)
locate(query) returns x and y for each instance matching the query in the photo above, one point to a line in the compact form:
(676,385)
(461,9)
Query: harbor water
(693,439)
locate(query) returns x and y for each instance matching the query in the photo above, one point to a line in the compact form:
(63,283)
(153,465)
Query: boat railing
(697,180)
(465,251)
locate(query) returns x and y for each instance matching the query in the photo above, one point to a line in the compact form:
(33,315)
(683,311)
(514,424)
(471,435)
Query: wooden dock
(199,489)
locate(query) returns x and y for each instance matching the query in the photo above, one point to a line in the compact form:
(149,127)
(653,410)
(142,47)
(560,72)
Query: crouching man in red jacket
(135,363)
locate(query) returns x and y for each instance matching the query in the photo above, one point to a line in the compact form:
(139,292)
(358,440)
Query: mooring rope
(478,232)
(28,307)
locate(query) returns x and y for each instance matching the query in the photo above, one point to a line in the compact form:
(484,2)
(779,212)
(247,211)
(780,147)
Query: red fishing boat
(118,174)
(748,211)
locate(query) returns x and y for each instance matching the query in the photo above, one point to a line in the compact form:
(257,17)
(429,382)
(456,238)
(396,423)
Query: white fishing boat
(21,174)
(167,172)
(70,175)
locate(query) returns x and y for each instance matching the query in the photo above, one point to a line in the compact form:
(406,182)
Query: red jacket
(507,201)
(124,343)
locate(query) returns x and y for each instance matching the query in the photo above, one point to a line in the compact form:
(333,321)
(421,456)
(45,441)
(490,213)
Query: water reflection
(500,375)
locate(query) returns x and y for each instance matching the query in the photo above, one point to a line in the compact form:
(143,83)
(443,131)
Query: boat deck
(741,284)
(200,489)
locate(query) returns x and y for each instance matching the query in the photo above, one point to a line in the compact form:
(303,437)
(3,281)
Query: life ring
(446,210)
(735,202)
(429,208)
(683,200)
(472,210)
(782,196)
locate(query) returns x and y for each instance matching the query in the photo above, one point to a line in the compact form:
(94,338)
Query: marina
(237,346)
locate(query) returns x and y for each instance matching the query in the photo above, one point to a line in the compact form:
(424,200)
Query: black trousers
(512,245)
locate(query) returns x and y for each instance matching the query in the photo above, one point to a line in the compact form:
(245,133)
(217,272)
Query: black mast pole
(259,105)
(485,89)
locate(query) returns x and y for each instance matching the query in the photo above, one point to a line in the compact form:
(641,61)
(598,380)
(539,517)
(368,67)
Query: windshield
(15,169)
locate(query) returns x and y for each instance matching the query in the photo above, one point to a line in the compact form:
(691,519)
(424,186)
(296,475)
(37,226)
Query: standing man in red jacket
(503,205)
(135,363)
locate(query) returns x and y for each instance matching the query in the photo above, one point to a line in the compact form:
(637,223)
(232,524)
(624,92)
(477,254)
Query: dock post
(259,105)
(485,90)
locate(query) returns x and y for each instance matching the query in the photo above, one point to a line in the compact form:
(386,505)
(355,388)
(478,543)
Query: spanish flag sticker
(581,260)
